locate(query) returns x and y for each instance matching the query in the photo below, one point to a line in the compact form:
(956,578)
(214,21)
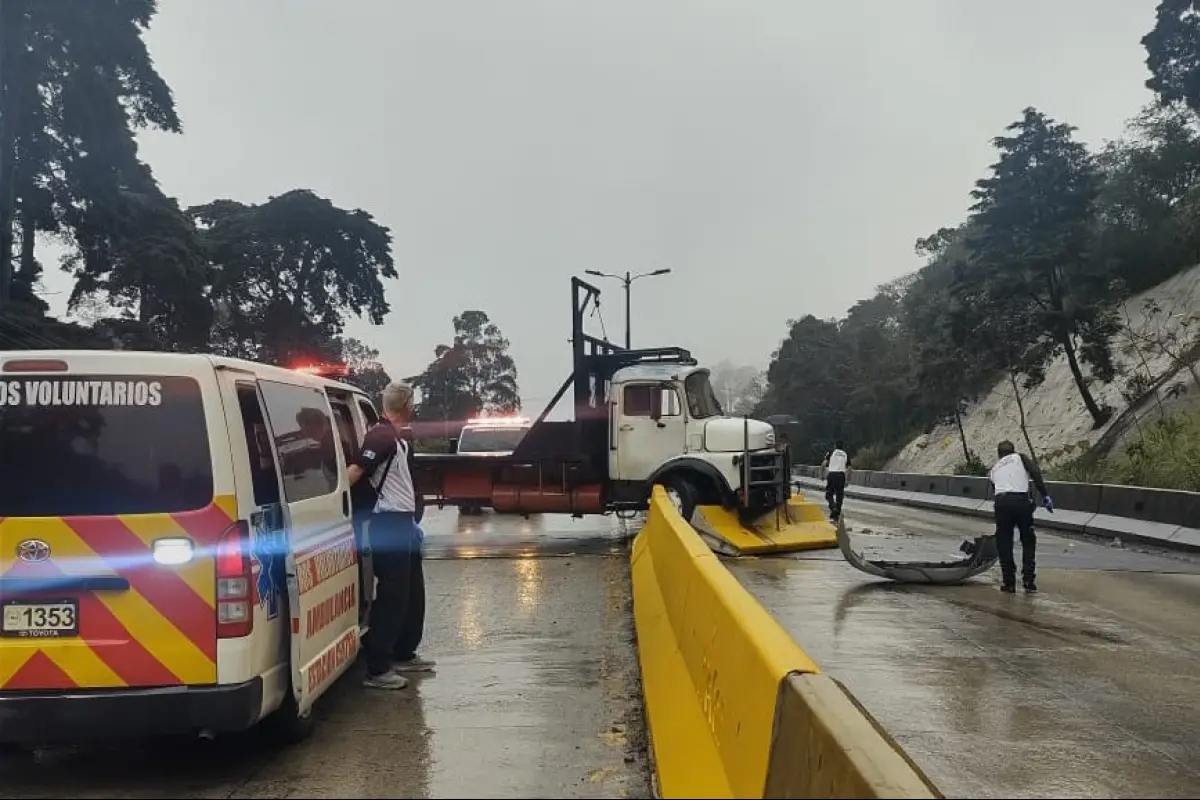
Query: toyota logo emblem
(33,551)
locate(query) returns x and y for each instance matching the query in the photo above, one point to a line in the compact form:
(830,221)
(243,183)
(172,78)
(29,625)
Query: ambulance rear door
(321,557)
(115,489)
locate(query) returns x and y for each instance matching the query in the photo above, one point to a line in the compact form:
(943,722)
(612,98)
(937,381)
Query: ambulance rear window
(102,445)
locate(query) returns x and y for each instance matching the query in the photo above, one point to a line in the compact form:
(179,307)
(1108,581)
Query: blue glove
(1048,504)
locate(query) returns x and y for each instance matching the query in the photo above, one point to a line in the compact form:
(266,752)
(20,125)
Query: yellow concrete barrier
(717,674)
(826,745)
(797,526)
(712,659)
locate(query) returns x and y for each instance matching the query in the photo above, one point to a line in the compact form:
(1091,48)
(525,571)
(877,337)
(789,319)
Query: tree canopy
(1057,236)
(287,272)
(472,375)
(365,370)
(274,281)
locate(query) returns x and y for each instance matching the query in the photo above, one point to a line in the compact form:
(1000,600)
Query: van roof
(156,357)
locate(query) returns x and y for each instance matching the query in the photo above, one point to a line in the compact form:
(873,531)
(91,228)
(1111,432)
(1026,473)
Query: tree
(473,375)
(1002,328)
(147,260)
(444,387)
(286,272)
(1031,227)
(877,352)
(1146,211)
(78,82)
(947,374)
(365,370)
(808,378)
(751,396)
(739,387)
(1173,52)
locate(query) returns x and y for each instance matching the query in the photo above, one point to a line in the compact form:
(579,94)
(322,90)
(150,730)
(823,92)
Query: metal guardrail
(1164,516)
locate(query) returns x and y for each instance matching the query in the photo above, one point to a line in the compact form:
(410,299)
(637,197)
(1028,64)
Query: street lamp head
(661,271)
(597,273)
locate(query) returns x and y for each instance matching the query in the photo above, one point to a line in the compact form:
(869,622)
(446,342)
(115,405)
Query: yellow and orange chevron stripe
(161,631)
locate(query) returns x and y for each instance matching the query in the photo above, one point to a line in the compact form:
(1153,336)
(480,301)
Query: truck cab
(667,426)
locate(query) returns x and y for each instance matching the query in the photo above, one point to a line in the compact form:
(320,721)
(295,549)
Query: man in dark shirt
(383,472)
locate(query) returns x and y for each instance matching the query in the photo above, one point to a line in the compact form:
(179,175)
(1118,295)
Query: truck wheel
(682,493)
(285,724)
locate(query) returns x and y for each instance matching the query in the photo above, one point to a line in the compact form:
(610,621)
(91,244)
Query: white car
(490,436)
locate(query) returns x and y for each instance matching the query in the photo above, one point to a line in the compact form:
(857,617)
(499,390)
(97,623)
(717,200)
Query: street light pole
(627,279)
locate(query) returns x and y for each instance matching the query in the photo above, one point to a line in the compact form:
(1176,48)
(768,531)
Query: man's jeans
(398,614)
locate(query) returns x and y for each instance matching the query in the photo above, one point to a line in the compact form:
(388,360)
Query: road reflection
(449,534)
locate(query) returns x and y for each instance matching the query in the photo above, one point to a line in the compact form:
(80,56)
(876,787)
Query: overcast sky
(780,156)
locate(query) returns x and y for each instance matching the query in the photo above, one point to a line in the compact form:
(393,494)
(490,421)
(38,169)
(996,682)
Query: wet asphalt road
(1088,689)
(536,693)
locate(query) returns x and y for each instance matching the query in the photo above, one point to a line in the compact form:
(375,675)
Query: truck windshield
(701,399)
(490,440)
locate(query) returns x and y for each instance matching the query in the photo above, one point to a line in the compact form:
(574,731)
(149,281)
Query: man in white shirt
(1013,507)
(837,468)
(382,472)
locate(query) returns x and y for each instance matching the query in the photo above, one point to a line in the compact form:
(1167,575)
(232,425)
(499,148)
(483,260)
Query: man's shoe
(415,664)
(1030,586)
(386,680)
(1008,588)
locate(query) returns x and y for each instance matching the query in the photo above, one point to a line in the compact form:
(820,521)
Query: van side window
(345,424)
(368,412)
(303,430)
(263,472)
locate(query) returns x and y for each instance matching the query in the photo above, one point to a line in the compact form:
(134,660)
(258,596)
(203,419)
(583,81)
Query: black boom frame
(594,361)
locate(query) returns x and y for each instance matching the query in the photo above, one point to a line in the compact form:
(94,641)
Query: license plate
(45,619)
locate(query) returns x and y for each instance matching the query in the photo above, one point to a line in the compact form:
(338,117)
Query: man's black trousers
(398,614)
(835,490)
(1015,511)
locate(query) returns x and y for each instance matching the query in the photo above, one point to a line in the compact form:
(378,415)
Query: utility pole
(627,279)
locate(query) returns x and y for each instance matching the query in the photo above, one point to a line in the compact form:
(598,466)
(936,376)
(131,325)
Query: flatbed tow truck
(642,417)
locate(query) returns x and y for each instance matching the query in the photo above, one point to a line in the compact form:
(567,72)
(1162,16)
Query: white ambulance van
(176,547)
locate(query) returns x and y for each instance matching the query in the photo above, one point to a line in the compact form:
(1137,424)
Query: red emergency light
(323,370)
(35,365)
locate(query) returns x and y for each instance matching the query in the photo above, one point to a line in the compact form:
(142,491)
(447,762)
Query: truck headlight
(771,439)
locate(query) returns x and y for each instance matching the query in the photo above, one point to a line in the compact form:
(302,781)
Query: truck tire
(681,489)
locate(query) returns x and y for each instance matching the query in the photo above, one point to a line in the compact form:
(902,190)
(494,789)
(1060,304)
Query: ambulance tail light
(235,583)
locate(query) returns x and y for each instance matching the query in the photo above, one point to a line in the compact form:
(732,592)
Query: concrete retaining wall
(1154,516)
(735,707)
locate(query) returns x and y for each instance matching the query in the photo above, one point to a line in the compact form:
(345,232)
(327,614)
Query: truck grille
(768,479)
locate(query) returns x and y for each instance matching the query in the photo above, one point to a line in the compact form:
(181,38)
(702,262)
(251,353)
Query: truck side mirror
(453,445)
